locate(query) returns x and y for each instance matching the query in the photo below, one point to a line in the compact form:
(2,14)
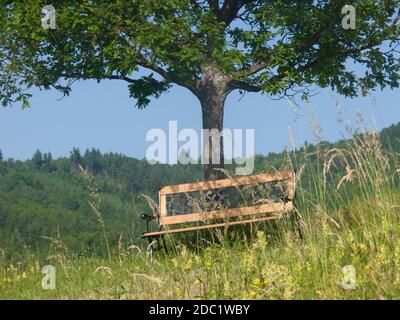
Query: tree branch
(149,64)
(243,85)
(253,69)
(214,5)
(312,40)
(72,75)
(230,10)
(397,18)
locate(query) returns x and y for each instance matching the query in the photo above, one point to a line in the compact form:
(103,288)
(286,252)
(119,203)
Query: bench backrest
(226,198)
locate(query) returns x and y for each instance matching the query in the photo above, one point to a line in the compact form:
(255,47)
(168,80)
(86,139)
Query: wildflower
(175,262)
(261,242)
(249,262)
(227,289)
(361,248)
(256,283)
(184,252)
(279,281)
(187,264)
(367,268)
(325,228)
(396,282)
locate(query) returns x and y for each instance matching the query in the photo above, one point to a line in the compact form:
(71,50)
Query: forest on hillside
(42,199)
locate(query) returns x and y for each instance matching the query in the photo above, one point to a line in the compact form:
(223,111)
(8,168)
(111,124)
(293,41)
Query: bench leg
(160,244)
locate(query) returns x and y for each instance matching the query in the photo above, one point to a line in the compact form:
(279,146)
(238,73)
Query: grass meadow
(348,205)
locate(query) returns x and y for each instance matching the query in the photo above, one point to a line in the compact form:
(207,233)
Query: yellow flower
(325,228)
(24,275)
(249,262)
(174,262)
(252,294)
(267,282)
(367,268)
(396,282)
(187,264)
(256,283)
(362,247)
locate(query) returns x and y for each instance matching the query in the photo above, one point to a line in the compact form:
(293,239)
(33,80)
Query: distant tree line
(43,196)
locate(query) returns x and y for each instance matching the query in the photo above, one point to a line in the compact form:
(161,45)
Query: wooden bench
(222,203)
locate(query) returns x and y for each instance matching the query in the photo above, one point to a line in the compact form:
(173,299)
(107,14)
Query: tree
(76,160)
(37,160)
(92,159)
(2,164)
(48,164)
(279,48)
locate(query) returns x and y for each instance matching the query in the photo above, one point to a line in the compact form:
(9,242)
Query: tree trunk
(212,103)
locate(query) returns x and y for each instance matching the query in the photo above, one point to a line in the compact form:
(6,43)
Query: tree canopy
(268,46)
(212,48)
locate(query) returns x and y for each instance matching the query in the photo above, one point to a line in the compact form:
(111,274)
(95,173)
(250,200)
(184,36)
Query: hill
(45,197)
(348,201)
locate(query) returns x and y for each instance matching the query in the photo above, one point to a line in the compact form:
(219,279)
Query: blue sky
(103,116)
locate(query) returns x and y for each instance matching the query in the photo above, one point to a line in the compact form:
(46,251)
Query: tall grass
(349,203)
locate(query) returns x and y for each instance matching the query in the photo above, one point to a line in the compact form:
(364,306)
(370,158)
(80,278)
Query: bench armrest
(148,217)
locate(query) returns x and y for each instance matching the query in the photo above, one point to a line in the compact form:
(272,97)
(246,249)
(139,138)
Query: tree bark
(212,101)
